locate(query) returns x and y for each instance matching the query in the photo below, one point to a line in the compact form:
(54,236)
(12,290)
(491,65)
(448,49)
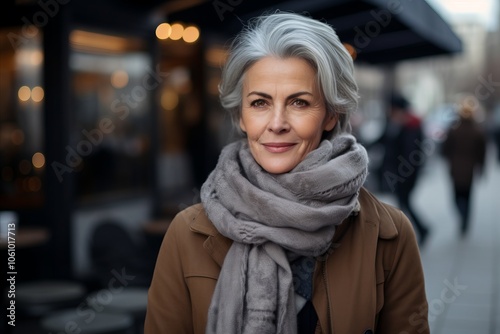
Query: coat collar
(371,212)
(216,244)
(374,212)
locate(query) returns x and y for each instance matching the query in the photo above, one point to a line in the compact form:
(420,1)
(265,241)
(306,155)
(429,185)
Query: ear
(330,121)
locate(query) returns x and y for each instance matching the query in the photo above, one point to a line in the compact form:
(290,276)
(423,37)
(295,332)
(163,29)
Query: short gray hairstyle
(284,35)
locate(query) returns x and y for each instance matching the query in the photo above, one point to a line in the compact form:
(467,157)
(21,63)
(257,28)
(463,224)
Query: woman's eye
(300,103)
(258,103)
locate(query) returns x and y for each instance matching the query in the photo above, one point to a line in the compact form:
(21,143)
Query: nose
(278,122)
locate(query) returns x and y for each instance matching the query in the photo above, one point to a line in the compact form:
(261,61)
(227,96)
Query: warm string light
(163,31)
(24,93)
(38,160)
(36,94)
(352,50)
(119,79)
(177,31)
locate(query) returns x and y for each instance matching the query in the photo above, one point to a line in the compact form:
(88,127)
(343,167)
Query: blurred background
(110,122)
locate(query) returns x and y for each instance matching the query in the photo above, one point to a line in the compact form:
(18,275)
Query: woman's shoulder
(397,239)
(391,221)
(197,237)
(194,219)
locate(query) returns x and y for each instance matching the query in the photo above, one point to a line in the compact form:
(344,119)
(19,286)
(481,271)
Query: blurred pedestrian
(496,129)
(403,157)
(465,148)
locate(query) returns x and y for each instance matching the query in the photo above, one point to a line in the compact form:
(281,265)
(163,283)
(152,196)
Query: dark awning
(382,31)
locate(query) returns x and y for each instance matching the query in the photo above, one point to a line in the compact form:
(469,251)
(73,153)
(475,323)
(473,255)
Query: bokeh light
(191,34)
(37,94)
(177,31)
(169,99)
(38,160)
(34,184)
(36,58)
(163,31)
(351,49)
(119,79)
(24,93)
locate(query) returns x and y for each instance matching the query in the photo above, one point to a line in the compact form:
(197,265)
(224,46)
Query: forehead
(285,72)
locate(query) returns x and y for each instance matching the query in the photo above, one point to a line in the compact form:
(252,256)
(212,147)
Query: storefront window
(22,160)
(113,83)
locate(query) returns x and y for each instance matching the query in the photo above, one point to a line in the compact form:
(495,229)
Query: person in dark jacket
(403,157)
(465,150)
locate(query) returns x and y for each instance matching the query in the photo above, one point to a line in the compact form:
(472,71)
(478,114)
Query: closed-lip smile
(278,147)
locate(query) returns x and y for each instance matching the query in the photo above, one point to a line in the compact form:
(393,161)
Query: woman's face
(283,112)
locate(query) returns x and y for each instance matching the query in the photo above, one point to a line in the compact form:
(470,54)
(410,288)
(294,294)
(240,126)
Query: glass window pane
(22,160)
(112,83)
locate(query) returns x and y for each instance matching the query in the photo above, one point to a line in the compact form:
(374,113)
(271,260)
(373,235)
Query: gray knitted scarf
(272,218)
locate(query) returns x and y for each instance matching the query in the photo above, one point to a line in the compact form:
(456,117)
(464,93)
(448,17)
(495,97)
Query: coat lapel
(350,296)
(216,244)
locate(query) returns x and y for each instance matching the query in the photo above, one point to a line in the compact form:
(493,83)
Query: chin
(276,169)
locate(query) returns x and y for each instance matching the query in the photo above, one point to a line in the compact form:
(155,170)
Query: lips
(278,147)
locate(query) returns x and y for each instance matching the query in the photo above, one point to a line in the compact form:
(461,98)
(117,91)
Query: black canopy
(381,31)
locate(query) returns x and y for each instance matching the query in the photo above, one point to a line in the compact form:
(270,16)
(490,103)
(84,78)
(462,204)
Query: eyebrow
(267,96)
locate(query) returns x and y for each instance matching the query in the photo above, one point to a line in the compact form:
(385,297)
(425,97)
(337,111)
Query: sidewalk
(462,275)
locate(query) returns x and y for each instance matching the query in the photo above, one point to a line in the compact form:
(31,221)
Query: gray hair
(285,35)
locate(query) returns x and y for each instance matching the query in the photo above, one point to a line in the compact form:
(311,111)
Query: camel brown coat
(371,281)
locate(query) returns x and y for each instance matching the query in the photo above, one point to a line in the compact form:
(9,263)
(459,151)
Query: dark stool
(132,301)
(100,323)
(38,298)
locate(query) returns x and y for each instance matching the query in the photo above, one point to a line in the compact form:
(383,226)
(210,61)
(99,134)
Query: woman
(286,240)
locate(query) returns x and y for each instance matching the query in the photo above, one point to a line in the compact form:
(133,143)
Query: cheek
(311,131)
(252,126)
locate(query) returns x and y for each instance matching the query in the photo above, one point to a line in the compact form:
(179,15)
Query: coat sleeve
(446,147)
(405,303)
(169,305)
(481,151)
